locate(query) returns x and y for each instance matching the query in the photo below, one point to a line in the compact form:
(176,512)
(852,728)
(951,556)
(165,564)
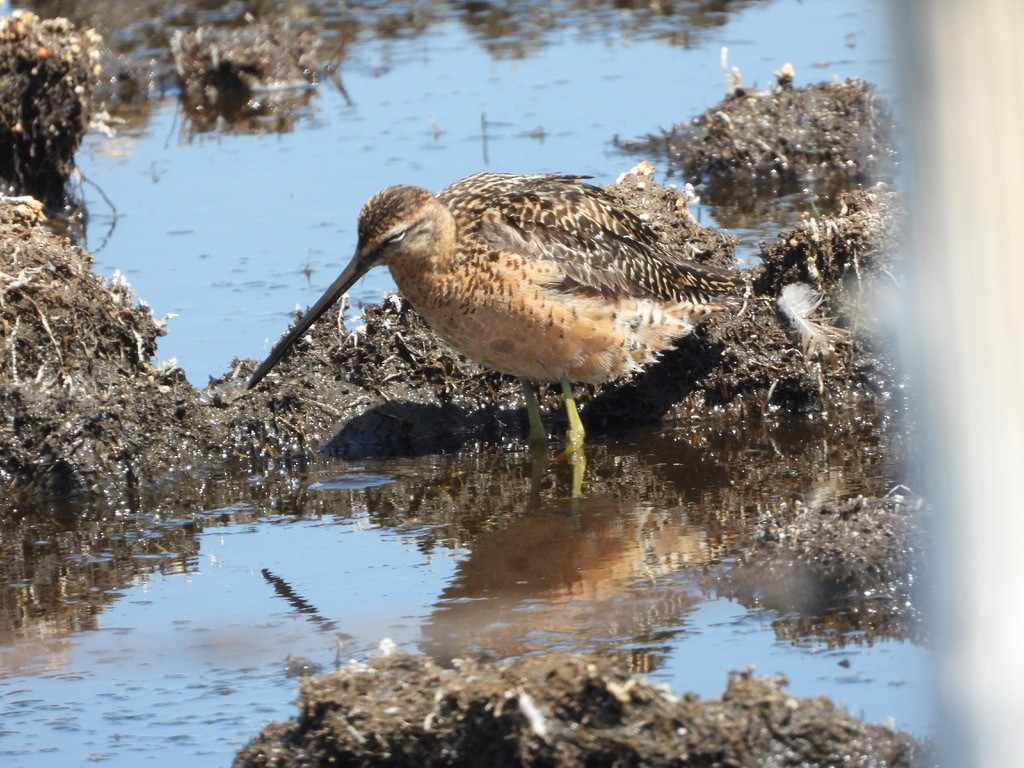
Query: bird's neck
(423,272)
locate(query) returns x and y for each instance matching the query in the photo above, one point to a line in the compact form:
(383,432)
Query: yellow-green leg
(574,437)
(538,435)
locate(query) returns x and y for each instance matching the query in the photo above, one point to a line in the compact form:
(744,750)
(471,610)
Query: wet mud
(92,422)
(81,400)
(556,710)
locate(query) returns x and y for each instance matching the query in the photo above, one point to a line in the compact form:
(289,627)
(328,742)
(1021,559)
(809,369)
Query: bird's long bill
(356,269)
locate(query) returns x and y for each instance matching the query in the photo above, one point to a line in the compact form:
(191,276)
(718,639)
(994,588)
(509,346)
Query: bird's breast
(506,312)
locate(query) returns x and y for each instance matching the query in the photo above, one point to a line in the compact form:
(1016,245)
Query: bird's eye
(395,237)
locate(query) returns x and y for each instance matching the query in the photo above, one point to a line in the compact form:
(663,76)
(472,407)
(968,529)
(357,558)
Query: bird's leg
(578,465)
(574,440)
(538,435)
(574,437)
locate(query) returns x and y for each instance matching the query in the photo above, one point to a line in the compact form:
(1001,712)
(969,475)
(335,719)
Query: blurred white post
(962,64)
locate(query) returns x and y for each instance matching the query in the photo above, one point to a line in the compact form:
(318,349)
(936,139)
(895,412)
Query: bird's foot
(573,444)
(574,454)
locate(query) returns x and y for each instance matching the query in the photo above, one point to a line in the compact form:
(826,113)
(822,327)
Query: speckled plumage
(585,230)
(540,276)
(543,277)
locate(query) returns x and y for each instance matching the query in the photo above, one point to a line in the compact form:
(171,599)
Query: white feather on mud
(797,302)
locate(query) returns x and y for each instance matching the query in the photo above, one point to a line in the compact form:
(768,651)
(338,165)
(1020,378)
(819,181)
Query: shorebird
(543,277)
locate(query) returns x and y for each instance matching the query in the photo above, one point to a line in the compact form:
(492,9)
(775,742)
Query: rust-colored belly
(508,314)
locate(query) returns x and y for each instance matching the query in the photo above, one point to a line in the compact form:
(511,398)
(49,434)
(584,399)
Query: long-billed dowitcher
(543,277)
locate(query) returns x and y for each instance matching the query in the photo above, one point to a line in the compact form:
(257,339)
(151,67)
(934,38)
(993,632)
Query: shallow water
(136,636)
(165,629)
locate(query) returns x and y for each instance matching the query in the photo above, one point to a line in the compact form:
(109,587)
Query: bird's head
(398,222)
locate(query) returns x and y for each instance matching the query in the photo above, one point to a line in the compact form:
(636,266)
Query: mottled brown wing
(598,246)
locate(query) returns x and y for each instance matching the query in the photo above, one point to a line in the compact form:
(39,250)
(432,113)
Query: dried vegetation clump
(254,77)
(559,710)
(83,407)
(63,323)
(48,70)
(835,353)
(839,131)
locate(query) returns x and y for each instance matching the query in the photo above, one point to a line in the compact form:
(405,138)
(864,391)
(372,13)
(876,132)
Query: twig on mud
(728,324)
(743,307)
(354,732)
(20,280)
(292,427)
(140,346)
(46,327)
(768,398)
(533,714)
(39,379)
(14,350)
(322,406)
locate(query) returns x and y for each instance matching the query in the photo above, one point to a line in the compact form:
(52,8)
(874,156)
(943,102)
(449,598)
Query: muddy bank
(401,710)
(785,134)
(90,411)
